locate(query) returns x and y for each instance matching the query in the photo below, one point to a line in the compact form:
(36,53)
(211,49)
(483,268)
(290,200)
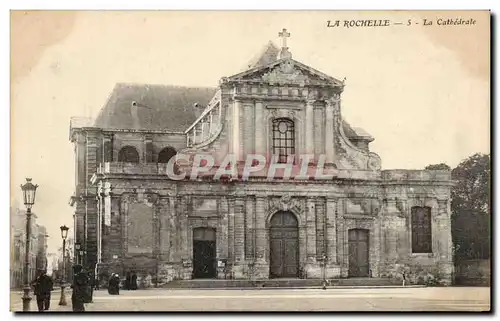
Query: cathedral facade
(139,206)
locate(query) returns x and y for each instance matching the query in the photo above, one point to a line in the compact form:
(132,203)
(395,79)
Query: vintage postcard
(250,161)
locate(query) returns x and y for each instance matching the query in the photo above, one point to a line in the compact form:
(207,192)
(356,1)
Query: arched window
(166,154)
(128,154)
(283,138)
(421,230)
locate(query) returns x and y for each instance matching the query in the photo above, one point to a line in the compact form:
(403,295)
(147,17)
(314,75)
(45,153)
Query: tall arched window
(128,154)
(421,230)
(283,138)
(166,154)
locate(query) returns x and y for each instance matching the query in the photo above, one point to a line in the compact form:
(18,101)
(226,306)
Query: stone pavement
(373,299)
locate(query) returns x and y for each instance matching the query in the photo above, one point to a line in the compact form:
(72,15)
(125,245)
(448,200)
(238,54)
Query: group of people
(115,282)
(83,288)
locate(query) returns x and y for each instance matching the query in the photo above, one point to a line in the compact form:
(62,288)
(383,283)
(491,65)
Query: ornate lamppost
(29,191)
(64,235)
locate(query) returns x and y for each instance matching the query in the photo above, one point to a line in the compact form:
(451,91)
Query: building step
(278,283)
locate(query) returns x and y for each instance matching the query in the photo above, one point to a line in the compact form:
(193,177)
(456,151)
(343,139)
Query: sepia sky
(422,92)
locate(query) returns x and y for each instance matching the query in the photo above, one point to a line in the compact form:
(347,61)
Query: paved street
(353,299)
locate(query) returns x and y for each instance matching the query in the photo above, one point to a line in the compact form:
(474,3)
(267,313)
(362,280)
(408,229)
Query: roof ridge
(140,84)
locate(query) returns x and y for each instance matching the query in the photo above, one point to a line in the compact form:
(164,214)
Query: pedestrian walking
(80,289)
(90,288)
(43,286)
(133,281)
(114,284)
(127,281)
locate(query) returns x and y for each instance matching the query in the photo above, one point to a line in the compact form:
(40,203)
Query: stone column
(230,230)
(310,126)
(183,231)
(91,156)
(444,239)
(260,143)
(262,244)
(148,149)
(250,228)
(165,217)
(239,230)
(222,235)
(331,227)
(173,222)
(312,269)
(107,149)
(342,241)
(183,238)
(236,129)
(329,133)
(390,233)
(239,238)
(260,229)
(311,230)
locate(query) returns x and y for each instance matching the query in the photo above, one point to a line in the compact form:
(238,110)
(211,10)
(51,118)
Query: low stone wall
(473,272)
(420,272)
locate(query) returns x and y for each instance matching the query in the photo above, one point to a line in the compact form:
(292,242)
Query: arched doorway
(166,154)
(359,265)
(284,245)
(204,253)
(128,154)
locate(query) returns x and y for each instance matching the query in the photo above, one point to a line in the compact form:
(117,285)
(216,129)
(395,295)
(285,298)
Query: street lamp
(64,235)
(29,191)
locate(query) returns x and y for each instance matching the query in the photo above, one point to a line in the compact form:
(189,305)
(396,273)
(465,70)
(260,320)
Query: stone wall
(240,213)
(473,272)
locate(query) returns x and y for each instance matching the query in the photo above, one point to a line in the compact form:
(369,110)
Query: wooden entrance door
(204,253)
(284,246)
(358,253)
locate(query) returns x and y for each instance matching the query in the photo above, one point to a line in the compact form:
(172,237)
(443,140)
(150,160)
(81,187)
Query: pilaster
(309,126)
(329,133)
(236,129)
(261,264)
(260,143)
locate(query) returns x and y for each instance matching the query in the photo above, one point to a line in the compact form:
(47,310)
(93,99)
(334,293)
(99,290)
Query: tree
(441,166)
(470,206)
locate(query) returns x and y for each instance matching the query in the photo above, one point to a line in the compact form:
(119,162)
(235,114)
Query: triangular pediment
(286,71)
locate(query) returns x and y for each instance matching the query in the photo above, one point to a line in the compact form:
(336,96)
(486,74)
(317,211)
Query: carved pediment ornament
(282,113)
(374,162)
(285,73)
(286,203)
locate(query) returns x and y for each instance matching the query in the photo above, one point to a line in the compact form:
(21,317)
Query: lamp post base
(26,299)
(62,301)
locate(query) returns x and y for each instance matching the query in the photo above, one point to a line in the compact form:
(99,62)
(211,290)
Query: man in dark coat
(80,289)
(127,281)
(114,284)
(43,286)
(133,281)
(91,287)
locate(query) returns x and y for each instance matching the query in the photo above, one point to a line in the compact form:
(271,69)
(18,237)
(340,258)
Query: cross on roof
(283,35)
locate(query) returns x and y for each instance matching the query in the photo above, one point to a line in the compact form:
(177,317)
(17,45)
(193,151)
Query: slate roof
(158,107)
(267,55)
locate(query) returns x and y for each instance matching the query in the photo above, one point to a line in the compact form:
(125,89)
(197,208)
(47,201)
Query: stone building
(360,222)
(18,246)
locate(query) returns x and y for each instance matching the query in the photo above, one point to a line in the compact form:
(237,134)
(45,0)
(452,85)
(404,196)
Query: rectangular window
(283,139)
(421,230)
